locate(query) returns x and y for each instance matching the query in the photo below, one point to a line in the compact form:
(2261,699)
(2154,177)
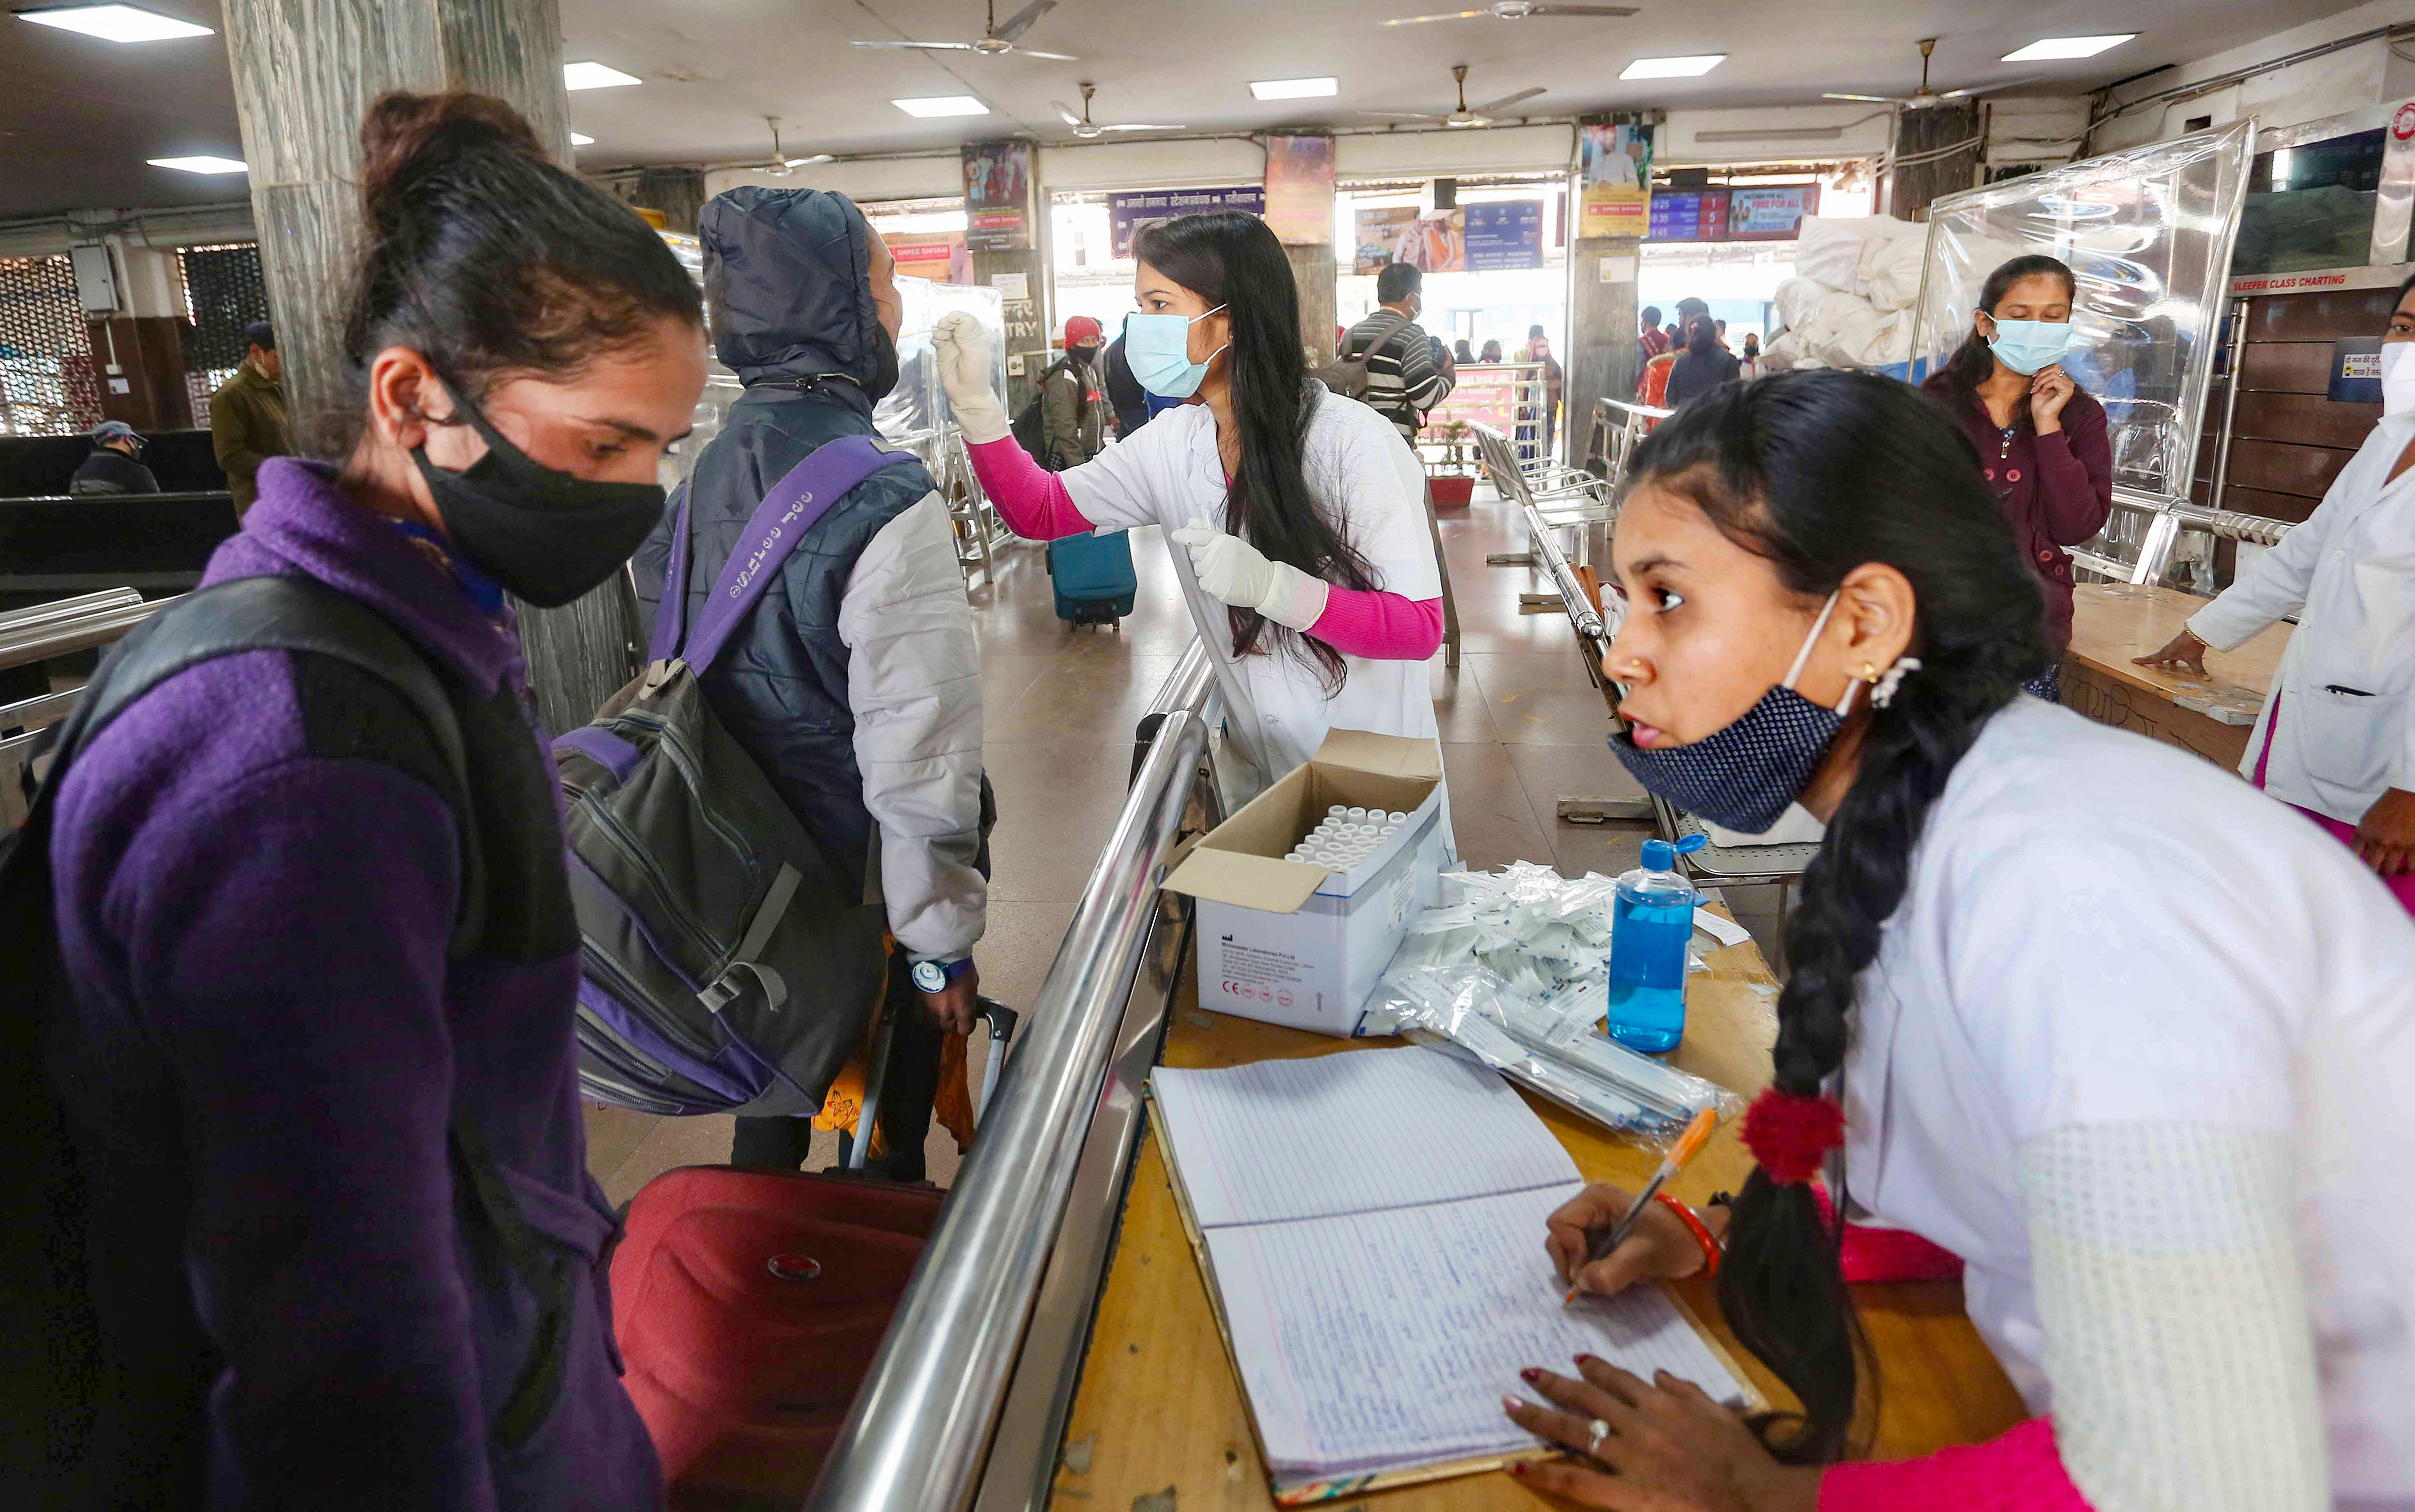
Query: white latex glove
(960,345)
(1231,569)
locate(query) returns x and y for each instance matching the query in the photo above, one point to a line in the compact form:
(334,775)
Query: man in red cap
(1072,409)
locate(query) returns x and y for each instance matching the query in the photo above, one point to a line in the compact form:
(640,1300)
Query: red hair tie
(1789,1134)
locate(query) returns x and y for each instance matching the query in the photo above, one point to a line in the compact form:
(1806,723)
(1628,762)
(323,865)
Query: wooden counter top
(2113,622)
(1159,1424)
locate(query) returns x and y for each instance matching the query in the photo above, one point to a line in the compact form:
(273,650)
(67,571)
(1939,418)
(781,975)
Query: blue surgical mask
(1743,775)
(2026,346)
(1158,349)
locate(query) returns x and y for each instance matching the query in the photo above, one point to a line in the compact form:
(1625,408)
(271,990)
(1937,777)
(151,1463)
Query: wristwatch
(932,976)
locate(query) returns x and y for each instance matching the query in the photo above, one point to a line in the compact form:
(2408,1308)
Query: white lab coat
(2348,572)
(1371,486)
(2101,929)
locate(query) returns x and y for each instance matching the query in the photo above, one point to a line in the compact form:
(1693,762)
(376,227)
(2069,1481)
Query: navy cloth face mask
(1742,776)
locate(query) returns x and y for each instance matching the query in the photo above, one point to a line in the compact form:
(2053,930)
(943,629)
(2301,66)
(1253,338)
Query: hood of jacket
(788,276)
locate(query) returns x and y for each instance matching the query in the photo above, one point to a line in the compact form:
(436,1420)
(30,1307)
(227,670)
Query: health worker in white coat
(1302,513)
(2337,737)
(2128,1038)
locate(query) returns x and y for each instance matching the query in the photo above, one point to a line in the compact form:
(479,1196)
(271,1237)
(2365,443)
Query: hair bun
(406,136)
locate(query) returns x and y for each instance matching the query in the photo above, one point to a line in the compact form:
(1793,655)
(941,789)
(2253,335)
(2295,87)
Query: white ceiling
(79,116)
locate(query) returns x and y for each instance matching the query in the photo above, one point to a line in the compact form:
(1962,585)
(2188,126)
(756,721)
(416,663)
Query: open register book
(1370,1226)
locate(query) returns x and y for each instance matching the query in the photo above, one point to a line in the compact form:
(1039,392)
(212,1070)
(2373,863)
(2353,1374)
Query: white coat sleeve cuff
(2221,630)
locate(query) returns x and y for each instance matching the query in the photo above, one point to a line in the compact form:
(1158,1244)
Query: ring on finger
(1595,1432)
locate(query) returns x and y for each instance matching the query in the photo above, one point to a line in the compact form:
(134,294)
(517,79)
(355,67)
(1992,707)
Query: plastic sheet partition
(917,1436)
(915,413)
(2147,234)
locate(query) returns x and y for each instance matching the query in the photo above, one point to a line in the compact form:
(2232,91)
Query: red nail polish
(1519,1469)
(1530,1375)
(1587,1359)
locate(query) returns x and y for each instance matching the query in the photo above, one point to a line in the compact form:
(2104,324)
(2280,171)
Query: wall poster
(998,196)
(1128,212)
(1299,189)
(1432,241)
(1505,233)
(1615,173)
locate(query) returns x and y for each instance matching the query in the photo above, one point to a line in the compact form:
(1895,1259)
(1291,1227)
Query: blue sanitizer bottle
(1652,916)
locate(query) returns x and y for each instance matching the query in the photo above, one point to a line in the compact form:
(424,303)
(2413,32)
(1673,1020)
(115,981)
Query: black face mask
(547,535)
(1081,355)
(884,376)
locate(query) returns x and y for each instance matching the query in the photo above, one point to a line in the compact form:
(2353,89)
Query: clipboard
(1310,1491)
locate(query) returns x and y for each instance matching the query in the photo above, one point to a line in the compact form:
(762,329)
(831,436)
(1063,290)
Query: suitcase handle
(1003,1021)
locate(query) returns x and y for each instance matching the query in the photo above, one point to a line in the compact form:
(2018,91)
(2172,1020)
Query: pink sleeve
(2019,1472)
(1875,1254)
(1030,499)
(1382,627)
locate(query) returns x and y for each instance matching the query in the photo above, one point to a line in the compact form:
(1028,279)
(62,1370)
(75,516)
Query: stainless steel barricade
(58,628)
(971,1331)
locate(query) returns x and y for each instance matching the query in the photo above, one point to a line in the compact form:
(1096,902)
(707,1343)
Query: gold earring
(1870,672)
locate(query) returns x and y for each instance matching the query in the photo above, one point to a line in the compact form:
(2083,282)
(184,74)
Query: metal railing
(1618,428)
(59,628)
(920,1432)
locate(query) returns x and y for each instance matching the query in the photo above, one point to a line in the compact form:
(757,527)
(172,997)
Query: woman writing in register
(1300,510)
(2336,739)
(2077,1007)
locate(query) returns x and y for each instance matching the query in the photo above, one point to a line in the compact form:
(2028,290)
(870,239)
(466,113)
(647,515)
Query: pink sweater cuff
(1030,499)
(1380,627)
(2019,1472)
(1876,1254)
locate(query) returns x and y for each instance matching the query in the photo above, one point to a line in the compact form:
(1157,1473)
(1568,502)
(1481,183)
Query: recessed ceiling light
(2065,47)
(1673,67)
(579,139)
(595,75)
(203,164)
(1294,88)
(117,23)
(942,105)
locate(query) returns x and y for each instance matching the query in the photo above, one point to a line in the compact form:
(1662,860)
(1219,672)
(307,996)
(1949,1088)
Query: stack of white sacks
(1850,302)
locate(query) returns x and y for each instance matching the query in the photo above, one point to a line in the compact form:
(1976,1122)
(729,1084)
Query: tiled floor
(1521,727)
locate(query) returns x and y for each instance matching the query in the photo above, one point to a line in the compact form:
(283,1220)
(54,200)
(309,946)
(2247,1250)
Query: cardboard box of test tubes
(1304,894)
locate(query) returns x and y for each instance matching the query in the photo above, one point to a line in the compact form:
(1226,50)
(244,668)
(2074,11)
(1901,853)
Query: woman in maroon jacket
(2041,440)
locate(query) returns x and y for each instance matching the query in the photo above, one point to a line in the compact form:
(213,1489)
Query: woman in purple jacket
(2041,440)
(298,1110)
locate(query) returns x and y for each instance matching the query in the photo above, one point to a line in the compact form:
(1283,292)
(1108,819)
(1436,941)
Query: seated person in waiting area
(2084,1009)
(111,467)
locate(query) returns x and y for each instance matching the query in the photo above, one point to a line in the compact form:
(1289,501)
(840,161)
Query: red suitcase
(748,1305)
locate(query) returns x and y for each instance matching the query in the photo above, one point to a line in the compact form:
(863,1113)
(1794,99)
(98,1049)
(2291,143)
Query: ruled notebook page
(1356,1132)
(1385,1340)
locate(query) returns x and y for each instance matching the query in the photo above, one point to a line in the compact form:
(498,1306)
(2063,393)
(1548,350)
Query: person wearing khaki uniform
(247,415)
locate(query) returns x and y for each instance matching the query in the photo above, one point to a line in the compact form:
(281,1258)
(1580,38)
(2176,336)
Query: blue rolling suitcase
(1093,577)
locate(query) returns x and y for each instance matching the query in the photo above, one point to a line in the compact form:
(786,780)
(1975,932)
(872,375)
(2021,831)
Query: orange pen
(1697,1133)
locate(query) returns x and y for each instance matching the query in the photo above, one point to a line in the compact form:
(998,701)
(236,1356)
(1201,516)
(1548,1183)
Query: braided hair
(1821,473)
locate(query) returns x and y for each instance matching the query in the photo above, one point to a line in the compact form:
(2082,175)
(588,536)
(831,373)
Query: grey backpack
(1346,375)
(724,966)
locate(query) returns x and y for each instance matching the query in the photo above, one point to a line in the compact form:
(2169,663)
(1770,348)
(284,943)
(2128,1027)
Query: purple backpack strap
(792,507)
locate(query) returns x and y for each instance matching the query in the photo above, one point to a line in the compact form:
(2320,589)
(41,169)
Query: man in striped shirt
(1408,371)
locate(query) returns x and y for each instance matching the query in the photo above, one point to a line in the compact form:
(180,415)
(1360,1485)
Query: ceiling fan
(783,165)
(994,38)
(1480,116)
(1924,98)
(1515,10)
(1083,126)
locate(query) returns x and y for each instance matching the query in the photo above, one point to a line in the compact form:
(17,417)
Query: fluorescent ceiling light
(941,105)
(579,139)
(2051,48)
(1782,133)
(117,23)
(203,164)
(1673,67)
(595,75)
(1294,88)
